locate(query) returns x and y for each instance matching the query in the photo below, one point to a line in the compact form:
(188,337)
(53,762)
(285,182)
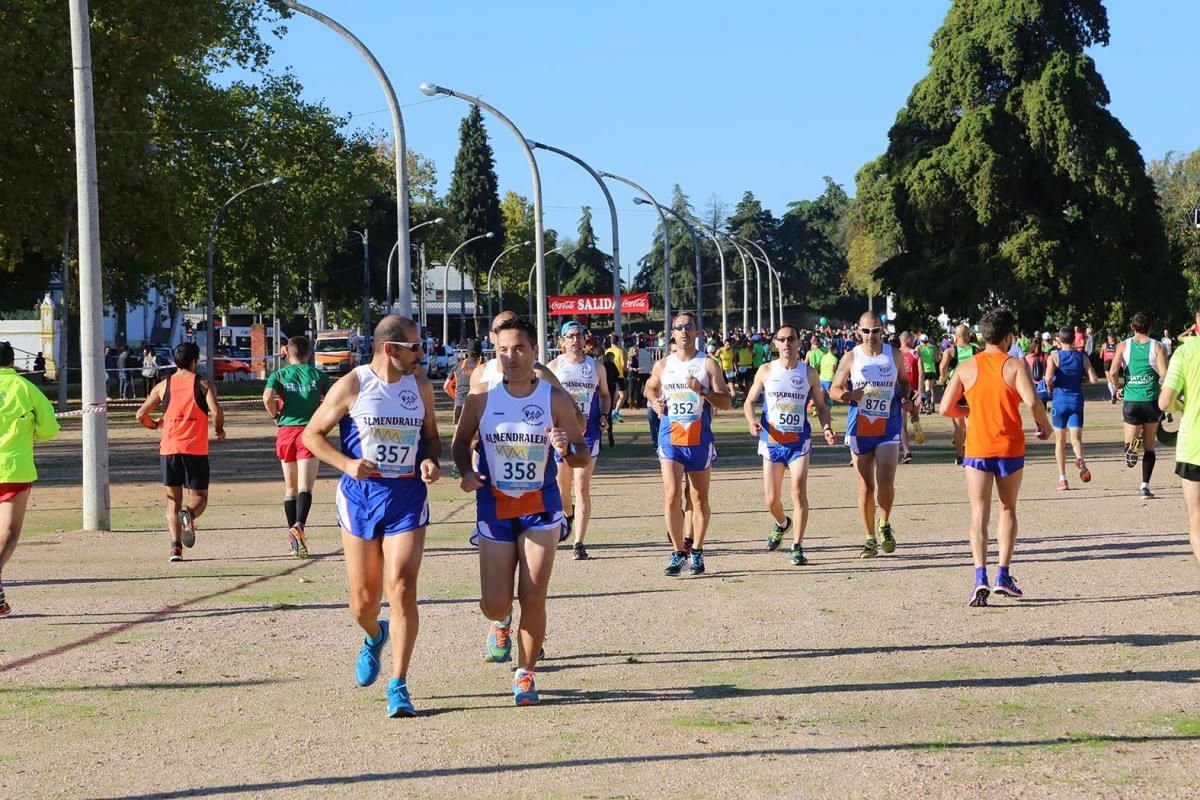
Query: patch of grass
(936,745)
(1010,709)
(710,723)
(1180,723)
(1072,740)
(953,673)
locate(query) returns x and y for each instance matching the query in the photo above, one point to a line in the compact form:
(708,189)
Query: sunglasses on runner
(410,346)
(869,331)
(787,338)
(684,326)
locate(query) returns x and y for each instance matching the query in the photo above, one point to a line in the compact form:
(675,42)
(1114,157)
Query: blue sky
(718,97)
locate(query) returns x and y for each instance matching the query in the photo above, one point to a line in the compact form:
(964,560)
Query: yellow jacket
(25,416)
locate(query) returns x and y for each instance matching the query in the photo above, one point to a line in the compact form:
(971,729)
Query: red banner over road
(562,305)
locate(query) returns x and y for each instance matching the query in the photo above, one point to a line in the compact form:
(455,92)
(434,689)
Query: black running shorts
(1189,472)
(185,470)
(1140,412)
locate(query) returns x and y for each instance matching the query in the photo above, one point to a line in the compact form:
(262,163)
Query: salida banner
(562,305)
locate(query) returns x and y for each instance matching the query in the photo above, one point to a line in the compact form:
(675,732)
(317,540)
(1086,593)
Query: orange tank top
(994,425)
(184,421)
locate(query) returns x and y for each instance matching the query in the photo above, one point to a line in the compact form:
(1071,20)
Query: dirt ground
(231,674)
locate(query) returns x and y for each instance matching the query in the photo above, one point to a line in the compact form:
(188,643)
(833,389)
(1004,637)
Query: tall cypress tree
(589,268)
(1007,180)
(474,203)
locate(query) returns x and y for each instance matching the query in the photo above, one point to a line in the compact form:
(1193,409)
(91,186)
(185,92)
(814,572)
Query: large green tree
(141,57)
(1177,178)
(810,235)
(1007,180)
(589,269)
(474,201)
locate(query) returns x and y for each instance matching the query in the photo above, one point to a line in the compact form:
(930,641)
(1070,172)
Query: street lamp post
(392,255)
(364,234)
(695,250)
(711,233)
(534,267)
(210,341)
(616,239)
(757,283)
(446,284)
(778,283)
(496,261)
(745,281)
(666,252)
(401,154)
(539,245)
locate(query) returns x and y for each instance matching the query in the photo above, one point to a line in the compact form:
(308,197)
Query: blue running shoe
(367,668)
(697,567)
(1007,587)
(524,692)
(499,644)
(979,596)
(399,703)
(675,564)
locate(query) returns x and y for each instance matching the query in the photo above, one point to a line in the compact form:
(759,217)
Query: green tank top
(1141,381)
(928,359)
(961,354)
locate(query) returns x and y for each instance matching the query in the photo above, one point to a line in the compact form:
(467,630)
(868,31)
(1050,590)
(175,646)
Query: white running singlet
(384,424)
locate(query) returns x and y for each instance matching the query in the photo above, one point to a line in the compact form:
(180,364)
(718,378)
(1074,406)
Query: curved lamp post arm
(711,234)
(533,269)
(209,335)
(401,157)
(666,251)
(616,239)
(396,248)
(745,282)
(696,252)
(775,272)
(757,282)
(446,283)
(496,261)
(539,256)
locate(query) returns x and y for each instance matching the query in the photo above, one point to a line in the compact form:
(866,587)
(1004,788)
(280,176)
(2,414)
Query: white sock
(1145,485)
(1112,389)
(1062,477)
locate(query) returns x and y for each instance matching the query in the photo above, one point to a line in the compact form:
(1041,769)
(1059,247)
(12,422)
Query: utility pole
(96,509)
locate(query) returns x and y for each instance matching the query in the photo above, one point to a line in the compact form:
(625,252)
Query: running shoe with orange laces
(296,541)
(524,691)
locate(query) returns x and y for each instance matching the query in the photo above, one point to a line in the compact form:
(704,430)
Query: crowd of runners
(527,437)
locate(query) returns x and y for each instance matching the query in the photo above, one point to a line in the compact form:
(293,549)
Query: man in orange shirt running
(995,384)
(187,402)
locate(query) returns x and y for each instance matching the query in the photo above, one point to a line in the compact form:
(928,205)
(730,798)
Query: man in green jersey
(292,396)
(1145,363)
(927,352)
(959,352)
(1183,378)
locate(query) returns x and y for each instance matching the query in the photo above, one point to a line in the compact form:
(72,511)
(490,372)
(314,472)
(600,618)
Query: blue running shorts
(1065,414)
(784,453)
(864,445)
(1000,467)
(381,507)
(694,459)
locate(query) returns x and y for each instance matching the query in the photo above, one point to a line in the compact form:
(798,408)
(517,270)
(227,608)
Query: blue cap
(569,325)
